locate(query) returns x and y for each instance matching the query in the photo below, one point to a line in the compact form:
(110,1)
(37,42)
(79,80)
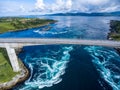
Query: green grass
(14,23)
(6,26)
(6,71)
(115,37)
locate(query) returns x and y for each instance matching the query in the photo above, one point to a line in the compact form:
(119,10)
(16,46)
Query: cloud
(40,5)
(79,5)
(22,8)
(90,2)
(57,6)
(95,5)
(15,7)
(69,4)
(111,9)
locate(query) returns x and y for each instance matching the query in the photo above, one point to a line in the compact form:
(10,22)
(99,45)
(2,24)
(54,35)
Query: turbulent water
(45,65)
(107,63)
(70,67)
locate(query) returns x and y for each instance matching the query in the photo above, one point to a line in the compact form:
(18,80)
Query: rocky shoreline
(22,76)
(18,30)
(112,31)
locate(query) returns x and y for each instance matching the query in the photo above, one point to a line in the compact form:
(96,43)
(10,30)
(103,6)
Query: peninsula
(18,23)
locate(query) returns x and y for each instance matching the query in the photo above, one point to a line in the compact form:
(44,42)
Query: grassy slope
(13,24)
(6,72)
(6,27)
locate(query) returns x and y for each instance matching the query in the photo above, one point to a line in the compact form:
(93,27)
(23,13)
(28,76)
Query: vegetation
(115,29)
(6,72)
(18,23)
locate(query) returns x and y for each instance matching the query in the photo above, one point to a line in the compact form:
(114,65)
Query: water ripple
(46,71)
(107,63)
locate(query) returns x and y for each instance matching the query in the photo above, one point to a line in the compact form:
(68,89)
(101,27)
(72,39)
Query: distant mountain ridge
(87,14)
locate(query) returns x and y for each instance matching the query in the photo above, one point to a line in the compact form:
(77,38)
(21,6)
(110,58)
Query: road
(20,42)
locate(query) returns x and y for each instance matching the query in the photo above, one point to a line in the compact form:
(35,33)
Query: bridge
(11,43)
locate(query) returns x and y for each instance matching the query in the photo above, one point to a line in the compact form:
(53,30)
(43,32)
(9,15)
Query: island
(9,78)
(19,23)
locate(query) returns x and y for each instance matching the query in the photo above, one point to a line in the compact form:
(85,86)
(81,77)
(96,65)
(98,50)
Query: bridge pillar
(13,58)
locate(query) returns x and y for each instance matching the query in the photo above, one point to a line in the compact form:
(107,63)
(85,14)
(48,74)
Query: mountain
(87,14)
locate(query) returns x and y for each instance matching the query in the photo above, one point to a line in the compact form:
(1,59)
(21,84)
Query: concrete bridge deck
(20,42)
(11,43)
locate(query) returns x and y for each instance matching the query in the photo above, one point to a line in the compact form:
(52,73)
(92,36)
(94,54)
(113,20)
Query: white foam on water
(49,70)
(104,60)
(51,32)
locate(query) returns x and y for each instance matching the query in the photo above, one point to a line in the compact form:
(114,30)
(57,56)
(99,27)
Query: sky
(37,7)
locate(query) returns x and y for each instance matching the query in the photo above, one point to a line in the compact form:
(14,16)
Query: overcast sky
(23,7)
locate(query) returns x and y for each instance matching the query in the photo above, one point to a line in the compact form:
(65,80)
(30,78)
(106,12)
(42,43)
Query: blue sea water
(70,67)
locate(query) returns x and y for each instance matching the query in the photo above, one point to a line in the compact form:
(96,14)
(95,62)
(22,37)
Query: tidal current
(70,67)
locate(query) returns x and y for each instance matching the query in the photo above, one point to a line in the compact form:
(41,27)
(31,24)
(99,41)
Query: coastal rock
(22,76)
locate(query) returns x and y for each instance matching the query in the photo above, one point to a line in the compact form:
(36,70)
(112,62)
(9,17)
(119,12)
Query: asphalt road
(56,41)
